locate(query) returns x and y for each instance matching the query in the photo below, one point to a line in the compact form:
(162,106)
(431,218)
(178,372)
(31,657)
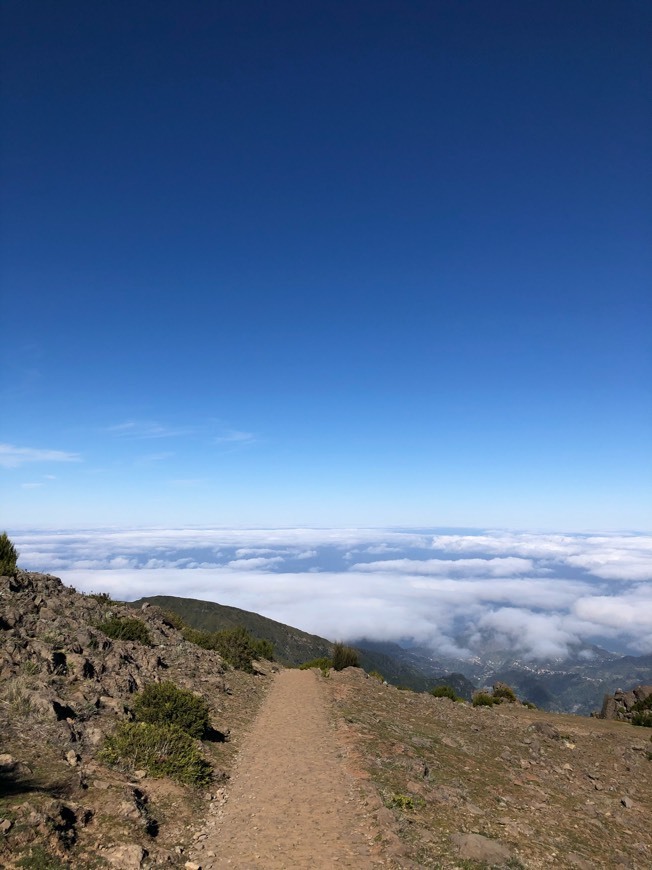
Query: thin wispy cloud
(13,457)
(147,429)
(157,457)
(235,437)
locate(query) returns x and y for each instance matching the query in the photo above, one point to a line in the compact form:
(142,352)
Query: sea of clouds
(540,595)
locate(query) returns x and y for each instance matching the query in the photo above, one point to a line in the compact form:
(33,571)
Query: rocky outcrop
(621,705)
(64,686)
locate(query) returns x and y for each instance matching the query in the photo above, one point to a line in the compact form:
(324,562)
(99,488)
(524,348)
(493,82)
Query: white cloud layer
(539,595)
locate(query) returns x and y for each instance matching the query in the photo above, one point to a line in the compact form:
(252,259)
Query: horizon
(360,265)
(540,595)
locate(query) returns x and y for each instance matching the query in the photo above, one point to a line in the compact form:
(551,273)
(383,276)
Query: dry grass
(553,800)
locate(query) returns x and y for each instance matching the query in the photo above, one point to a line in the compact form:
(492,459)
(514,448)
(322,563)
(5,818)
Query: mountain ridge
(576,684)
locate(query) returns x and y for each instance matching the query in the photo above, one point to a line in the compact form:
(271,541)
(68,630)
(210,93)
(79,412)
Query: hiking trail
(292,803)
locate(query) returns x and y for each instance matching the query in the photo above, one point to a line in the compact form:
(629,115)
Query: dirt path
(292,804)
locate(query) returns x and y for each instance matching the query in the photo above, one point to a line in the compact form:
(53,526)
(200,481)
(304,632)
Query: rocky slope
(65,685)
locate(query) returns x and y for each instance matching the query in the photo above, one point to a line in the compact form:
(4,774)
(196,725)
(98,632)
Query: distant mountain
(576,684)
(292,646)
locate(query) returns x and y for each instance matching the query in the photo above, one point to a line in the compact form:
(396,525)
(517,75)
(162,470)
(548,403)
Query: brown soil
(293,802)
(555,790)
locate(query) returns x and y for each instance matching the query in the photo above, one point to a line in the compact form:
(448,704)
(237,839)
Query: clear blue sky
(326,263)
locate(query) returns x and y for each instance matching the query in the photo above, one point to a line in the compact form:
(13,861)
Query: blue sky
(363,263)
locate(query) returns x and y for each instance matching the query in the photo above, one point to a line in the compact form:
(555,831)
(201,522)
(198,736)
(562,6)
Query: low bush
(642,705)
(484,699)
(402,802)
(345,657)
(377,676)
(167,704)
(445,692)
(204,639)
(264,649)
(236,645)
(125,628)
(173,620)
(40,859)
(162,750)
(8,556)
(642,717)
(103,598)
(324,664)
(503,692)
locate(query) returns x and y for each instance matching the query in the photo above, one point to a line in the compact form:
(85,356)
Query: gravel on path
(292,803)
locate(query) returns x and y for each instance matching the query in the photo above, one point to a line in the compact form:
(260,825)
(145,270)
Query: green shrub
(167,704)
(162,750)
(264,649)
(103,598)
(173,620)
(445,692)
(503,692)
(236,646)
(204,639)
(643,718)
(40,859)
(345,657)
(324,664)
(377,676)
(8,556)
(484,699)
(402,802)
(643,704)
(125,628)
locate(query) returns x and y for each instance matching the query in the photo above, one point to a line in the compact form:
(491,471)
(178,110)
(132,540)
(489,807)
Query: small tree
(345,657)
(8,556)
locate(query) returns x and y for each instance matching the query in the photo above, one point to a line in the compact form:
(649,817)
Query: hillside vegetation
(291,645)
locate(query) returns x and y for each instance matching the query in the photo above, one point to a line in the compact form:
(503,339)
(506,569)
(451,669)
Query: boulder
(129,856)
(476,847)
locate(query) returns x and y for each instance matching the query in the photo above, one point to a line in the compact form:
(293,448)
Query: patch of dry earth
(292,801)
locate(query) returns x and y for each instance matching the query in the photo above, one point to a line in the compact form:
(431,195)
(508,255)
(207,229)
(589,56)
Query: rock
(627,802)
(72,758)
(191,865)
(5,826)
(7,763)
(545,729)
(476,847)
(619,705)
(129,856)
(577,861)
